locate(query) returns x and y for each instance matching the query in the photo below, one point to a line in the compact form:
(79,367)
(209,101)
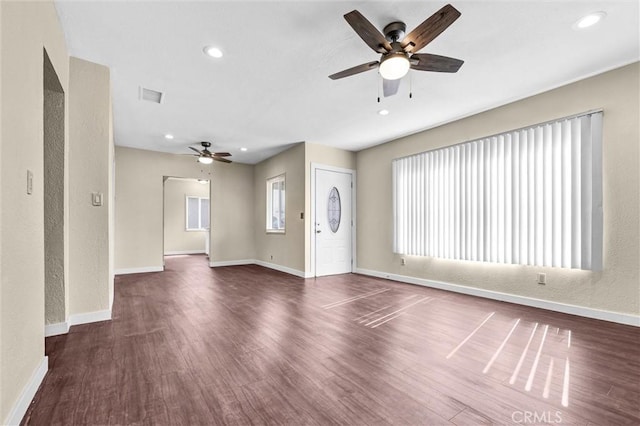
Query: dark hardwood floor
(248,345)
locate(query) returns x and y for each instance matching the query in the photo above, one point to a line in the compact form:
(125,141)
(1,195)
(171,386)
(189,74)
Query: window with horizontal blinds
(531,196)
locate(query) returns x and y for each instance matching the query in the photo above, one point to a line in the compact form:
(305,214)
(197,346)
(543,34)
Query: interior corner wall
(328,156)
(89,146)
(25,29)
(285,250)
(138,207)
(177,239)
(616,288)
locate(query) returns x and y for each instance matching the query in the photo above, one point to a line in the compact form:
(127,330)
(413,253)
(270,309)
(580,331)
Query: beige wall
(232,226)
(111,211)
(25,28)
(89,171)
(616,288)
(283,249)
(3,411)
(138,206)
(176,237)
(328,156)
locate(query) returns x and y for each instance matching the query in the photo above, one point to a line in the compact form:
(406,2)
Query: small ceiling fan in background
(399,51)
(207,157)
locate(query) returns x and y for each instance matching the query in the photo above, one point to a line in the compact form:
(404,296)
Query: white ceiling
(271,87)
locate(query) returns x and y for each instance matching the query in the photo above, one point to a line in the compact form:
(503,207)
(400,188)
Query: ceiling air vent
(151,95)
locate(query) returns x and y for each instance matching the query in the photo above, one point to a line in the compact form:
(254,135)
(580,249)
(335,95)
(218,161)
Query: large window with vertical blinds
(531,196)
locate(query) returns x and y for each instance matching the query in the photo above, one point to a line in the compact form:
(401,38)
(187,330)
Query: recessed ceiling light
(243,149)
(214,52)
(168,136)
(383,112)
(589,20)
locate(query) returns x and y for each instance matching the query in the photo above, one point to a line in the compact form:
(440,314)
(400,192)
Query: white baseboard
(281,268)
(141,270)
(179,252)
(273,266)
(214,264)
(56,329)
(77,319)
(582,311)
(89,317)
(24,400)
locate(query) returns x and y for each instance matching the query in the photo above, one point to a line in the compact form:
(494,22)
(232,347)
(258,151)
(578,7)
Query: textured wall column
(89,172)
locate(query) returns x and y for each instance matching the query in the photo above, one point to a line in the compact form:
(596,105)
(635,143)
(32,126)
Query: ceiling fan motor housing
(395,31)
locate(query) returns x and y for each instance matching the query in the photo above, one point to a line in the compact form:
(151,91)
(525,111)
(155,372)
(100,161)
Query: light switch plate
(29,182)
(96,198)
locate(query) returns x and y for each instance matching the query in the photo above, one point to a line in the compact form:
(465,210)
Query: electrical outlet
(403,261)
(542,278)
(271,257)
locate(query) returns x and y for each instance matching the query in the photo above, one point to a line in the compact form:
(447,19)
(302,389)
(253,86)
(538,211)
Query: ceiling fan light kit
(394,66)
(398,52)
(205,160)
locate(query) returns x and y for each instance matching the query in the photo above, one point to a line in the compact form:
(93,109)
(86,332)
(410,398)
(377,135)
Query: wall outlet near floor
(542,278)
(403,261)
(271,257)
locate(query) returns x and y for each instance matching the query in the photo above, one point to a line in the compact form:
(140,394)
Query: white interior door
(333,222)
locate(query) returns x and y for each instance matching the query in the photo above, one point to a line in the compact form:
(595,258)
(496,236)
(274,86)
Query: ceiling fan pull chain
(379,82)
(410,85)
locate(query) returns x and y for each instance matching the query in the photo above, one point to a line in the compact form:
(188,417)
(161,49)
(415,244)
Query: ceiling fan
(206,157)
(398,50)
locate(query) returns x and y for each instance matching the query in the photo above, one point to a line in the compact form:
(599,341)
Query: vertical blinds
(531,196)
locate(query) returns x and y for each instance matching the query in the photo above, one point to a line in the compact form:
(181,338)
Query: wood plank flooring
(248,345)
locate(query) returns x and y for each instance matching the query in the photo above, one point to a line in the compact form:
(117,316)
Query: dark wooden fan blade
(355,70)
(437,63)
(424,33)
(221,154)
(194,149)
(367,32)
(390,87)
(224,160)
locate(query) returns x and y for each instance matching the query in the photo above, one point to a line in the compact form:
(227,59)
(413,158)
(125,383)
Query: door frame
(312,213)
